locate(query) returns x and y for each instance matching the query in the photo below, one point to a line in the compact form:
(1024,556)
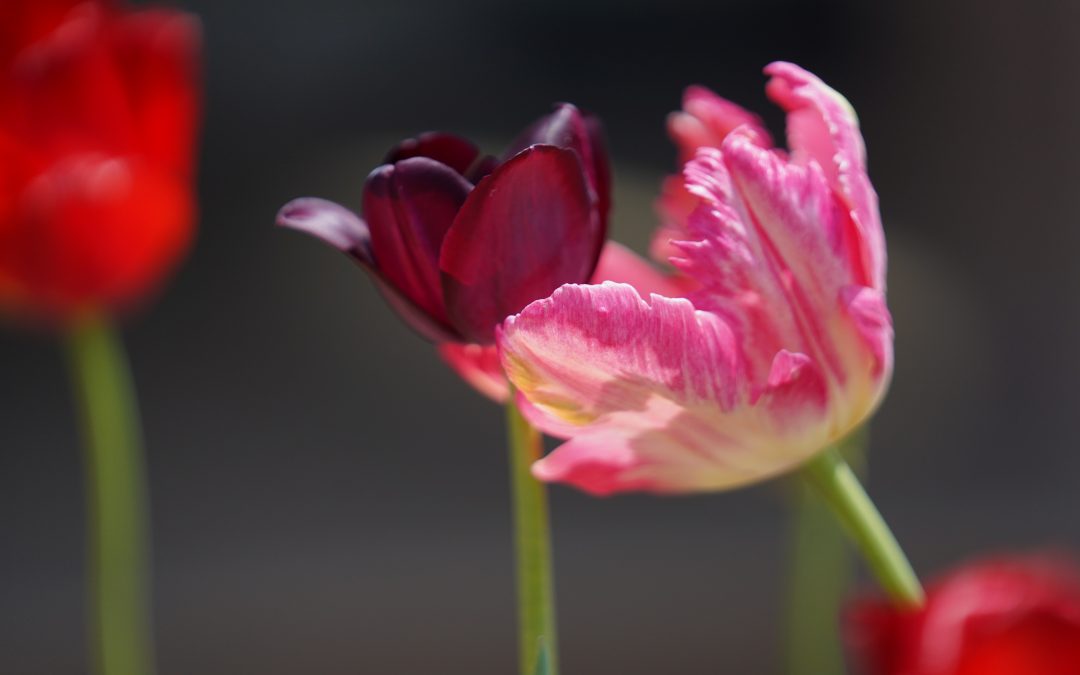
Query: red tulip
(457,240)
(98,116)
(998,617)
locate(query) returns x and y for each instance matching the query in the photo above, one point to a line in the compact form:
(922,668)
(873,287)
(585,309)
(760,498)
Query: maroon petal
(345,231)
(568,127)
(528,228)
(409,206)
(330,222)
(454,151)
(601,168)
(564,128)
(481,168)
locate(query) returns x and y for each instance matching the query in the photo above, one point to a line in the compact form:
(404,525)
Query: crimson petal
(564,128)
(481,168)
(24,23)
(157,52)
(454,151)
(528,228)
(568,127)
(94,232)
(409,206)
(601,168)
(330,222)
(347,232)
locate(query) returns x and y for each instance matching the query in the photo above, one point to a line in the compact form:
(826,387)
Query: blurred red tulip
(98,117)
(1017,616)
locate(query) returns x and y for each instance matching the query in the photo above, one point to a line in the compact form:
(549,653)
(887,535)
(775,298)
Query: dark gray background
(329,499)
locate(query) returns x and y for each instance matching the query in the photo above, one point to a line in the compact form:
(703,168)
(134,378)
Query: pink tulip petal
(796,388)
(822,126)
(478,365)
(706,119)
(654,396)
(525,230)
(674,206)
(770,253)
(870,314)
(792,210)
(726,255)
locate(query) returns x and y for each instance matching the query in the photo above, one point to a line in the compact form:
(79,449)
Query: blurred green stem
(832,477)
(820,572)
(532,538)
(120,626)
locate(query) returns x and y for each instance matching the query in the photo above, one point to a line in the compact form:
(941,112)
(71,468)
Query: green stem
(120,627)
(834,480)
(820,572)
(535,591)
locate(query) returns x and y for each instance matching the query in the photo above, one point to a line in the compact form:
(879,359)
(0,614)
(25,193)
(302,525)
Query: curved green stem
(120,627)
(532,539)
(830,474)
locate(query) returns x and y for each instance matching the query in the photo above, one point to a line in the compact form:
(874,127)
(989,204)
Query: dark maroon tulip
(458,240)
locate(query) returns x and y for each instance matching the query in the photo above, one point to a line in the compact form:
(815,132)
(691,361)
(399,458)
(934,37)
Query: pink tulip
(783,347)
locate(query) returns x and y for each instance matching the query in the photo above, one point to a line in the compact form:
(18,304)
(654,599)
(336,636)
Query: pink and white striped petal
(770,249)
(654,394)
(706,119)
(823,127)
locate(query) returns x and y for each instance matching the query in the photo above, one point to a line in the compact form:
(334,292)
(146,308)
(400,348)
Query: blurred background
(328,498)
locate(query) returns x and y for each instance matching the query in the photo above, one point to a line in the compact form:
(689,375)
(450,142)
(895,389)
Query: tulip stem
(834,480)
(532,540)
(118,553)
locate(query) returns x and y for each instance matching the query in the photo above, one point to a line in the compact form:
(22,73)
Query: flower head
(784,347)
(98,116)
(996,617)
(457,240)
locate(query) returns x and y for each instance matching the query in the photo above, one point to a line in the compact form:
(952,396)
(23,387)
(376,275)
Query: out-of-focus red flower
(1016,616)
(98,118)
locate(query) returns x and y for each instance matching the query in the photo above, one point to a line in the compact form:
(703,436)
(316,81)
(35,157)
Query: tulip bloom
(98,116)
(997,617)
(456,240)
(785,347)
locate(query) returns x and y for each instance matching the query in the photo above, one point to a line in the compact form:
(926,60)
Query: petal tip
(543,471)
(326,220)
